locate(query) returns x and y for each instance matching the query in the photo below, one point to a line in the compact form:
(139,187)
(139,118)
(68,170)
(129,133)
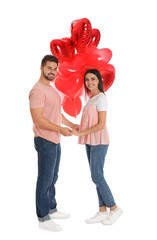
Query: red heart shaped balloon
(72,106)
(70,85)
(81,31)
(95,38)
(73,24)
(108,76)
(97,57)
(75,65)
(63,48)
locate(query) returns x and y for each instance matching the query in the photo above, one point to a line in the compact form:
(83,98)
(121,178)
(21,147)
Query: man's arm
(67,123)
(38,119)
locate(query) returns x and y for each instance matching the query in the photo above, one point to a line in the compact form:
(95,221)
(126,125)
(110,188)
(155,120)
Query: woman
(93,133)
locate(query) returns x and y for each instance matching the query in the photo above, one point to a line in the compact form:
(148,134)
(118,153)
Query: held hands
(69,132)
(76,133)
(66,131)
(75,130)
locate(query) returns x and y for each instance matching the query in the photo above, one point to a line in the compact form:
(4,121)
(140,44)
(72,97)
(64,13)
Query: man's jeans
(96,158)
(48,166)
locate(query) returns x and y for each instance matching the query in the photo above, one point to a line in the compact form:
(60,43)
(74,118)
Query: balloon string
(75,107)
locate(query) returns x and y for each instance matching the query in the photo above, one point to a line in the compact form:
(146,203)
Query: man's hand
(66,131)
(76,127)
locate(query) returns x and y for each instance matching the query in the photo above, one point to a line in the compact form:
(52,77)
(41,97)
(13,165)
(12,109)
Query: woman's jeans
(96,158)
(48,166)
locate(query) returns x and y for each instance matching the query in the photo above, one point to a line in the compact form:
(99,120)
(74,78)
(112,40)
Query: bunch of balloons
(76,55)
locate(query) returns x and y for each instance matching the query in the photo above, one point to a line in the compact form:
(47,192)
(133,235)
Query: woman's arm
(101,124)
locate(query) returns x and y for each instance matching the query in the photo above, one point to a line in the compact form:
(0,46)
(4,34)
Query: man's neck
(44,81)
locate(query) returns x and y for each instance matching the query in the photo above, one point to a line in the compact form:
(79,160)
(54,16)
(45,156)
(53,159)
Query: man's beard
(49,78)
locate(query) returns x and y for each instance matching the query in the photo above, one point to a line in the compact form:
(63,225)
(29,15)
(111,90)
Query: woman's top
(89,119)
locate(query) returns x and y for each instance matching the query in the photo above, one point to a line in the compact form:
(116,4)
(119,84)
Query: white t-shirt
(100,102)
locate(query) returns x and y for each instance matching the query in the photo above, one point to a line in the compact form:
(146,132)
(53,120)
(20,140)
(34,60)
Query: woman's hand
(75,132)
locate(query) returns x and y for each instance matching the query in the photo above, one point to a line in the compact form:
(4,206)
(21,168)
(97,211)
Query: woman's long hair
(96,73)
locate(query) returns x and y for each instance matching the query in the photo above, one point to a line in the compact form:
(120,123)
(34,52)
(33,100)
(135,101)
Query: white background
(128,28)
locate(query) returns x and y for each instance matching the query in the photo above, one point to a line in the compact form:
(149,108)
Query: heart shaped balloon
(72,106)
(95,38)
(75,65)
(71,85)
(81,32)
(63,48)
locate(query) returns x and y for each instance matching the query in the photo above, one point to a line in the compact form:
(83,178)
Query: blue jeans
(48,166)
(96,158)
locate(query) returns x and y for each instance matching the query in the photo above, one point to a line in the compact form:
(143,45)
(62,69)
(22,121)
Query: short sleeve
(36,98)
(102,104)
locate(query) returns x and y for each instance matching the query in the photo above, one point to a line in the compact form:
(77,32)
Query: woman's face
(91,81)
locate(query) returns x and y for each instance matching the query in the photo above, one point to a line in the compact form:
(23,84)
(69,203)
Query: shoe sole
(50,230)
(59,217)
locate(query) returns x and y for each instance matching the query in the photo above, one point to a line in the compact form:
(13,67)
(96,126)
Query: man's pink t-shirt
(46,97)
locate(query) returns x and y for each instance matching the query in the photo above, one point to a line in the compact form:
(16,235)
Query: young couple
(45,108)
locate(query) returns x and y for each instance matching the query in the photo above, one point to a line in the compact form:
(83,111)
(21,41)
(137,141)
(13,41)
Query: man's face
(49,71)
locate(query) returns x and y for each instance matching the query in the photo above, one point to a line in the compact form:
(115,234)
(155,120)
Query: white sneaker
(98,217)
(59,215)
(113,216)
(50,225)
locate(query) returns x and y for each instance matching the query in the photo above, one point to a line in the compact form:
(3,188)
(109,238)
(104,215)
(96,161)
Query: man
(45,108)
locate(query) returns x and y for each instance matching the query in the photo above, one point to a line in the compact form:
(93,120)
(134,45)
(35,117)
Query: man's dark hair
(49,58)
